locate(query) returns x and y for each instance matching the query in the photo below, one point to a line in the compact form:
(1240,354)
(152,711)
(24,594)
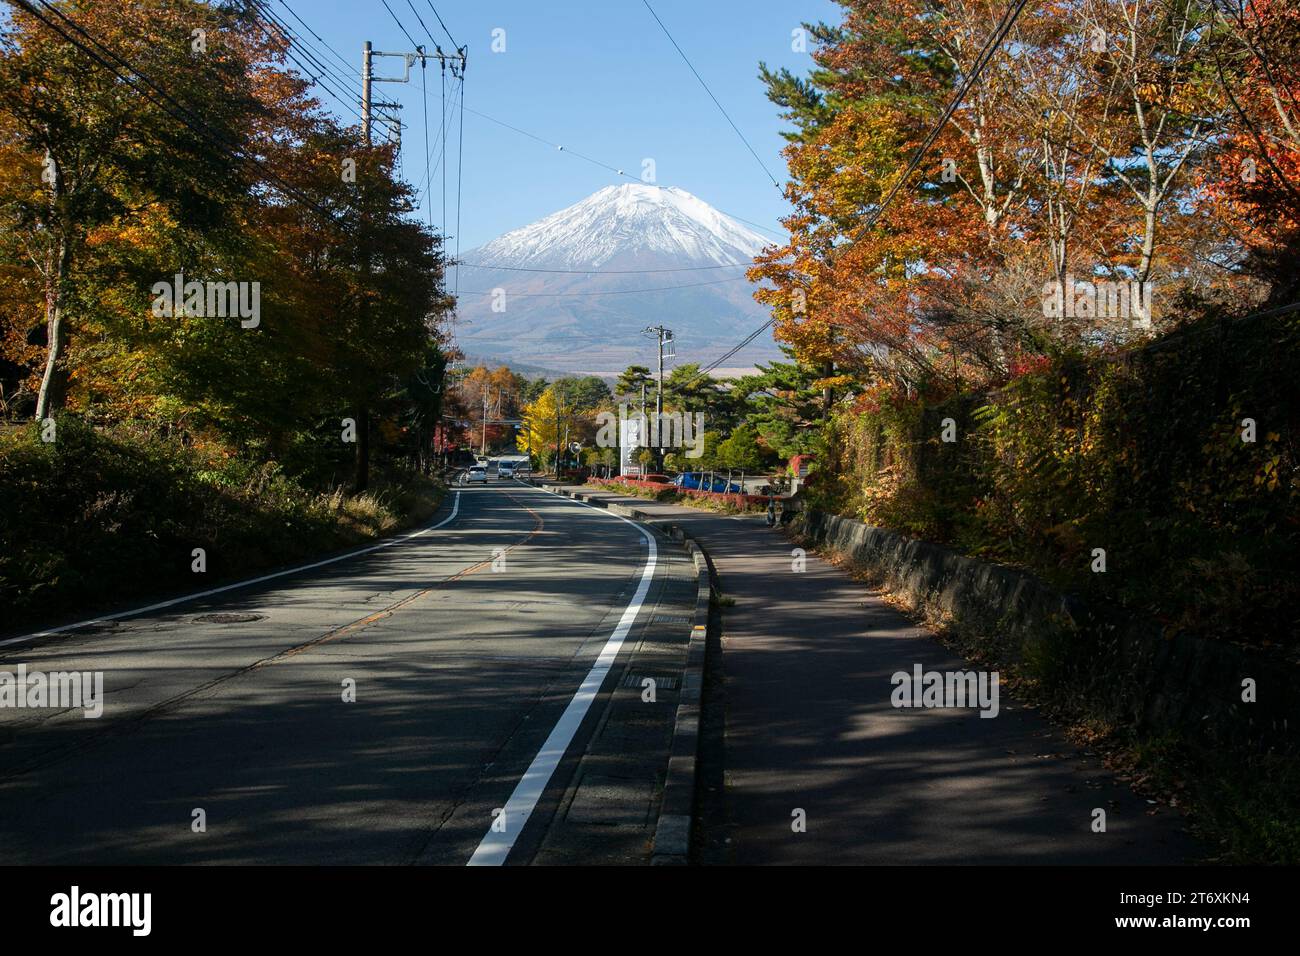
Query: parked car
(696,481)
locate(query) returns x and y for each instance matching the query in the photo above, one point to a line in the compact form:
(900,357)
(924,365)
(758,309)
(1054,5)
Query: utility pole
(365,91)
(483,446)
(408,59)
(664,336)
(361,476)
(361,470)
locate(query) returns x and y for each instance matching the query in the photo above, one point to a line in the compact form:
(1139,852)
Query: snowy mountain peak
(573,291)
(630,226)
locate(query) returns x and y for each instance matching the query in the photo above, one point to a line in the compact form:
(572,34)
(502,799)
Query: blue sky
(597,76)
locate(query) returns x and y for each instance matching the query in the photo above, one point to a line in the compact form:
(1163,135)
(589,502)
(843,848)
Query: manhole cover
(227,618)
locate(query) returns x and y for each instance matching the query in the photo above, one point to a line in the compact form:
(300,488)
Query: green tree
(584,394)
(631,380)
(782,403)
(740,450)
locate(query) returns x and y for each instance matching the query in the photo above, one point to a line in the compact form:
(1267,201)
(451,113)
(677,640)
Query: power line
(595,162)
(722,358)
(460,163)
(711,96)
(176,110)
(423,27)
(346,66)
(444,27)
(426,188)
(994,41)
(990,47)
(263,7)
(401,26)
(423,195)
(547,142)
(428,153)
(443,127)
(287,36)
(442,159)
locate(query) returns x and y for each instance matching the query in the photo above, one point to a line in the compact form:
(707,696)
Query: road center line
(496,844)
(455,508)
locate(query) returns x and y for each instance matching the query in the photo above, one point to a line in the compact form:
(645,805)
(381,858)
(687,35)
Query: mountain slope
(586,314)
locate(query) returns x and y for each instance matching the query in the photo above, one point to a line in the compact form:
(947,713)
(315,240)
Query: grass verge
(101,517)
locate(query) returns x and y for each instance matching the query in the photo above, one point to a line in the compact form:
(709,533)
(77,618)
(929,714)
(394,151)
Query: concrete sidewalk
(807,659)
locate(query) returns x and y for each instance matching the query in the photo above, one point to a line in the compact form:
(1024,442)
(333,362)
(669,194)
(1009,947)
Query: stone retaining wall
(1117,669)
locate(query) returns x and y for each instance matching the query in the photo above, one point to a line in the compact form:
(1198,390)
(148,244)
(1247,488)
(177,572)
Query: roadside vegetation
(1138,454)
(1066,338)
(720,502)
(219,326)
(105,516)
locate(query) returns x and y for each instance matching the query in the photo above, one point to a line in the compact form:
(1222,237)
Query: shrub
(1140,454)
(99,516)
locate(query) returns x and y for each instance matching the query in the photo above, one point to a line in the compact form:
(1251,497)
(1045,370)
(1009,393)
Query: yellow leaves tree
(544,421)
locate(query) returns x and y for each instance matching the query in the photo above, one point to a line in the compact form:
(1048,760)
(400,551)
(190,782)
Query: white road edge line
(496,844)
(455,508)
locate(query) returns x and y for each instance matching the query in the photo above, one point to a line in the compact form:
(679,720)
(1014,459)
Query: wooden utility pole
(361,477)
(361,465)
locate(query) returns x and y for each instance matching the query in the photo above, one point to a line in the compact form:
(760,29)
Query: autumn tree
(1253,188)
(1070,151)
(228,174)
(97,143)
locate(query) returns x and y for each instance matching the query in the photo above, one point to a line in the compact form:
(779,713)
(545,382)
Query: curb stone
(672,842)
(672,839)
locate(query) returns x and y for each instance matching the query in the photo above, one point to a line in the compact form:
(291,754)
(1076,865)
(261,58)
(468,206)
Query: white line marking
(455,508)
(495,846)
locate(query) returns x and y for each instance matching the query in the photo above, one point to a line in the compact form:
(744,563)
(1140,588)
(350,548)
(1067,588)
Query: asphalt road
(466,645)
(811,736)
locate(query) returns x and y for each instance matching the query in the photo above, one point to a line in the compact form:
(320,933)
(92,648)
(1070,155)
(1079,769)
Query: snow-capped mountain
(573,291)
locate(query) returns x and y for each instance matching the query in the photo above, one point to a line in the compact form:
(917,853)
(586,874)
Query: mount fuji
(574,290)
